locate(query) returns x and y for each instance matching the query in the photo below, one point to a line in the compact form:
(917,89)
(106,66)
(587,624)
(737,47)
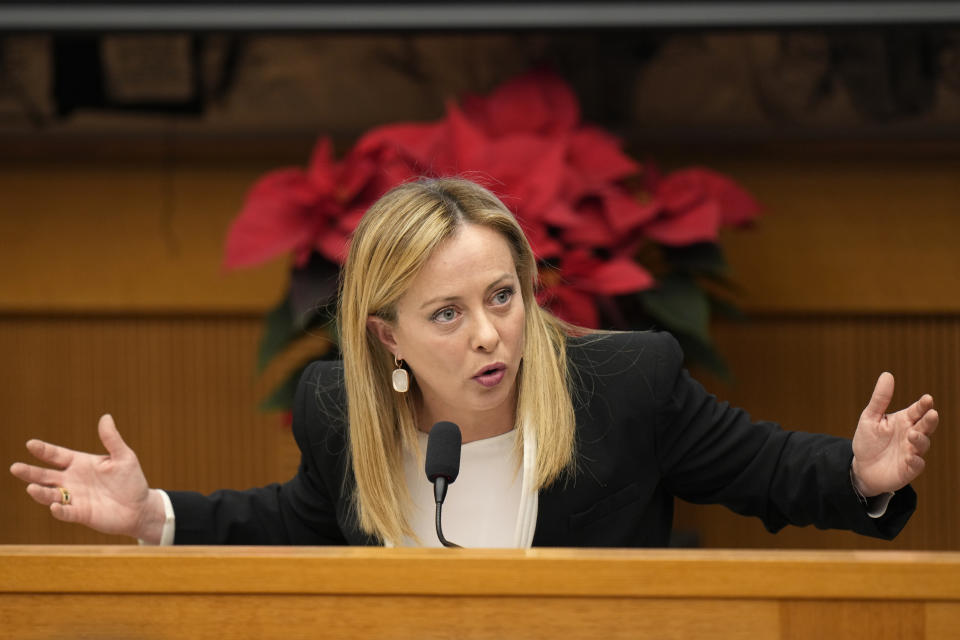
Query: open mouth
(492,375)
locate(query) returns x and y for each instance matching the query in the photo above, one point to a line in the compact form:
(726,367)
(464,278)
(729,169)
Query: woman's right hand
(108,493)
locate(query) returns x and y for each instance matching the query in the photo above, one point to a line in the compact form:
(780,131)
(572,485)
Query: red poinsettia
(570,291)
(562,179)
(547,163)
(314,210)
(692,204)
(295,211)
(566,182)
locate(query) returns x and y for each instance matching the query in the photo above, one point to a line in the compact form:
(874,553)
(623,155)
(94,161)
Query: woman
(571,438)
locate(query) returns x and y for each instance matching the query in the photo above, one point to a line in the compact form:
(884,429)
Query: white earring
(401,379)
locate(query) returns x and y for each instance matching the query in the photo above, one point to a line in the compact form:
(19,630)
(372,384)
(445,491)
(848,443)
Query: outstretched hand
(108,493)
(888,448)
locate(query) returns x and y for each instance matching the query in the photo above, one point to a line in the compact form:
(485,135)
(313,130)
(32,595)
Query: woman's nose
(485,334)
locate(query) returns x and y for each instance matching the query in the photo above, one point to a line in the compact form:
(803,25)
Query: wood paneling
(211,617)
(851,229)
(115,236)
(207,592)
(184,395)
(181,389)
(817,374)
(848,228)
(853,619)
(661,573)
(943,620)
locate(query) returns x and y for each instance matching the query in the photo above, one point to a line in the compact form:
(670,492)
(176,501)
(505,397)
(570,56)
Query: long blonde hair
(389,247)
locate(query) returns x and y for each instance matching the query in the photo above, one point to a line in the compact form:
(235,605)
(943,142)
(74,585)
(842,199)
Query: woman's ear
(384,332)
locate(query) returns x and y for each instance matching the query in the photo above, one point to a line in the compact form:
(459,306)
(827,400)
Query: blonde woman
(571,438)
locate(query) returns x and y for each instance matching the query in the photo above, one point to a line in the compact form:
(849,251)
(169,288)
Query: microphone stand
(439,493)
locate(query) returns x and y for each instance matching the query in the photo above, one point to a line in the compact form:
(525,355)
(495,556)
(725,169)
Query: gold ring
(64,496)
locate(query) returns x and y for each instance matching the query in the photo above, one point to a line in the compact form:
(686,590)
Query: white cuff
(169,523)
(876,506)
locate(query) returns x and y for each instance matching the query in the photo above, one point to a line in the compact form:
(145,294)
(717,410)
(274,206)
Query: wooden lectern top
(375,592)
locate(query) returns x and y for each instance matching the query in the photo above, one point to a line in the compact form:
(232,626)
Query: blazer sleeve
(710,452)
(300,511)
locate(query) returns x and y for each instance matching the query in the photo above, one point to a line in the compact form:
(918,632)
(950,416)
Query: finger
(44,495)
(916,464)
(52,454)
(66,513)
(928,424)
(110,437)
(37,475)
(880,400)
(919,408)
(919,441)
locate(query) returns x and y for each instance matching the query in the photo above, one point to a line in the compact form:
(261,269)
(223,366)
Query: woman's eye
(503,296)
(445,315)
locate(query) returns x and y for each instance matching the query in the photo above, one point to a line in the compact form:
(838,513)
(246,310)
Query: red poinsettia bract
(564,180)
(301,211)
(570,291)
(691,205)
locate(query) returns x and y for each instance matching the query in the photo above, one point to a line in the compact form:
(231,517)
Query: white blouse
(491,503)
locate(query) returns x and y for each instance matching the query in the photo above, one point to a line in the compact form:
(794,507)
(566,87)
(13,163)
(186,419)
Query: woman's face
(459,328)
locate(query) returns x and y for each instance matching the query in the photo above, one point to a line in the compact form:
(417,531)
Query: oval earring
(401,379)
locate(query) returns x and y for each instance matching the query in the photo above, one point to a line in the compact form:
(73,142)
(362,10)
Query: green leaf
(313,290)
(679,305)
(279,331)
(704,258)
(727,309)
(282,397)
(705,355)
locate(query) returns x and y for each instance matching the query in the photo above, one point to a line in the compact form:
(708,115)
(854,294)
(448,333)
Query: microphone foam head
(443,452)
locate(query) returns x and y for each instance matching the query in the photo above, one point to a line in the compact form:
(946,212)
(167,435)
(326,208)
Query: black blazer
(646,433)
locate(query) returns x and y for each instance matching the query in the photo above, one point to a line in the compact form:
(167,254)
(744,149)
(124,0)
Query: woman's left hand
(888,448)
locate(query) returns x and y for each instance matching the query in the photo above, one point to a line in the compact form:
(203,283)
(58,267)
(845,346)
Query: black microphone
(443,465)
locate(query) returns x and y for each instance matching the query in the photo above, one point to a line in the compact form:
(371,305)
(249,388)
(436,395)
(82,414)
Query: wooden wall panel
(116,236)
(817,374)
(852,619)
(849,228)
(181,389)
(183,392)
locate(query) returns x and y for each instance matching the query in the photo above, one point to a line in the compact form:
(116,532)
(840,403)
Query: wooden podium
(270,592)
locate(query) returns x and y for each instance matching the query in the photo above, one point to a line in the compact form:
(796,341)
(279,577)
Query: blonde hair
(389,247)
